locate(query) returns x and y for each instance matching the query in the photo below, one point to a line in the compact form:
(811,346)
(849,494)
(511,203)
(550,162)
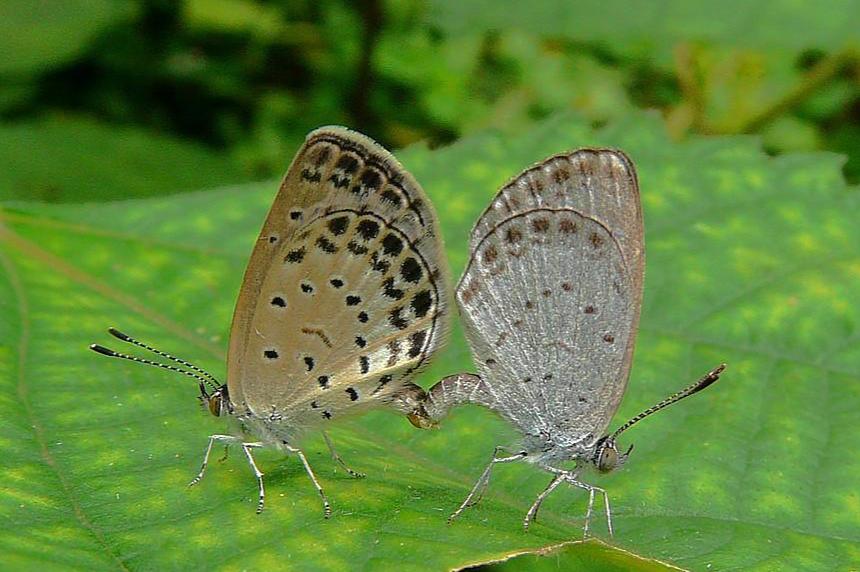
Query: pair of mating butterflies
(345,299)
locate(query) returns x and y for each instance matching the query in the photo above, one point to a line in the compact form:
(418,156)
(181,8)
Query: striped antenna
(197,373)
(707,380)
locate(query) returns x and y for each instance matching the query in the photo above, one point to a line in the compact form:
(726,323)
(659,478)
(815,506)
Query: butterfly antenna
(126,338)
(707,380)
(197,373)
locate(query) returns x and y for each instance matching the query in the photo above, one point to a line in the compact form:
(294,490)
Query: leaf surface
(751,260)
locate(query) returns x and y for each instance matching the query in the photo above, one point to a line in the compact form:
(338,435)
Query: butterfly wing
(550,298)
(344,297)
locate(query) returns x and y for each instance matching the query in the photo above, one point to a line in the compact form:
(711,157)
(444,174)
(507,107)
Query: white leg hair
(483,481)
(301,455)
(340,461)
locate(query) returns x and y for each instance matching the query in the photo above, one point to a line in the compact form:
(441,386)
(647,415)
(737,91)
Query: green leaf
(751,260)
(76,159)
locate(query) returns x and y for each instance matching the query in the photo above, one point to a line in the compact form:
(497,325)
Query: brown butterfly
(343,301)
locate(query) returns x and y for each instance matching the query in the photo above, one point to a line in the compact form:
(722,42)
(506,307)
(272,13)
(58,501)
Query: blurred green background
(189,94)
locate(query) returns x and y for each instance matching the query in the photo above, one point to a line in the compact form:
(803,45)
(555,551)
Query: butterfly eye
(215,403)
(608,458)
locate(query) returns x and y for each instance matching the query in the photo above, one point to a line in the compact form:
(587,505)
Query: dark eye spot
(416,343)
(353,300)
(295,256)
(353,394)
(378,263)
(490,254)
(410,270)
(338,225)
(271,354)
(513,235)
(567,226)
(391,196)
(356,248)
(540,225)
(396,320)
(391,245)
(279,302)
(347,164)
(326,245)
(368,229)
(371,179)
(390,291)
(421,303)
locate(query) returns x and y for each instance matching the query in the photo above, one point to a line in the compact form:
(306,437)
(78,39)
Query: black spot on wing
(397,320)
(391,196)
(416,343)
(421,303)
(389,290)
(368,229)
(356,248)
(326,245)
(338,225)
(295,256)
(410,270)
(383,381)
(392,245)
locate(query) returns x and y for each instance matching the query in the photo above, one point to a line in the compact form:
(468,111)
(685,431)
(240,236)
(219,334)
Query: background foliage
(752,260)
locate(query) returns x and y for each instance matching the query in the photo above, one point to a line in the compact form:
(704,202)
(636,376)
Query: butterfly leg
(531,515)
(257,473)
(227,439)
(591,491)
(338,459)
(483,482)
(309,471)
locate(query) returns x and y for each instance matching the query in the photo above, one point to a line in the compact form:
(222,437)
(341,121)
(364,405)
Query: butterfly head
(217,402)
(213,394)
(606,456)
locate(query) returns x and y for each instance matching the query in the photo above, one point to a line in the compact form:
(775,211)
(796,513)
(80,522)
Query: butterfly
(550,302)
(343,302)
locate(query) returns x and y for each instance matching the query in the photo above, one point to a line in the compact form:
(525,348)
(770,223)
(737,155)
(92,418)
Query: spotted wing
(550,298)
(345,294)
